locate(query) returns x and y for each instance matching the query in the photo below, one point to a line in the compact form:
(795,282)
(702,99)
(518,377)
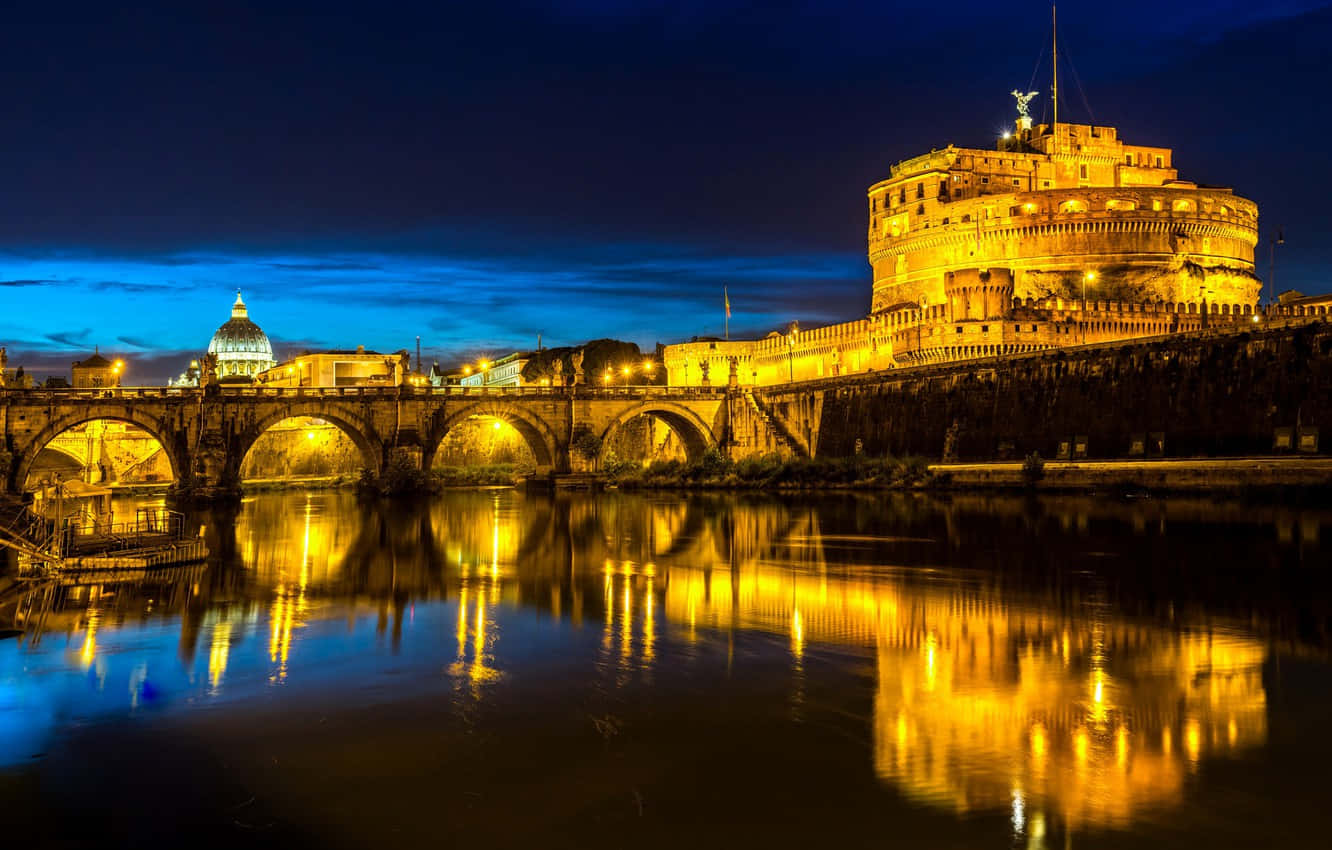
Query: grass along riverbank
(714,470)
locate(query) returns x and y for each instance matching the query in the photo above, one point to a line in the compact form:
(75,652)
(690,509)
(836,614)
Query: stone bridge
(206,433)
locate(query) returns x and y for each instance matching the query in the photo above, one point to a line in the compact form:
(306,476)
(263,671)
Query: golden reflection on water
(984,704)
(985,699)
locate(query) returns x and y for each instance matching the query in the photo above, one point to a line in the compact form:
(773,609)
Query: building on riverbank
(1062,235)
(339,368)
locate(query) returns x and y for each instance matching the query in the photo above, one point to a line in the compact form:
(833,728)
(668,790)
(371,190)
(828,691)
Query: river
(494,669)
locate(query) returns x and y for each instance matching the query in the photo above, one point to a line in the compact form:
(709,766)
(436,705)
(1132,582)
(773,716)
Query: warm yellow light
(194,364)
(467,370)
(498,424)
(291,370)
(309,435)
(605,379)
(1255,318)
(626,370)
(485,365)
(648,366)
(118,365)
(1007,135)
(1090,276)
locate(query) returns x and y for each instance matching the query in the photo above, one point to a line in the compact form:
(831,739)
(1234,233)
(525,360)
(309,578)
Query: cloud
(29,282)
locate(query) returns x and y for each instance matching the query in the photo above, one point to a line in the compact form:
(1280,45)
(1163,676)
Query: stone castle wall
(1220,393)
(1143,244)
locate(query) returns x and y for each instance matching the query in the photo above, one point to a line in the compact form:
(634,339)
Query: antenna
(1054,55)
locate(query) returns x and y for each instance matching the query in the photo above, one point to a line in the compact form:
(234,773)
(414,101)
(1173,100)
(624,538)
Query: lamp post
(1279,239)
(1086,278)
(920,322)
(790,355)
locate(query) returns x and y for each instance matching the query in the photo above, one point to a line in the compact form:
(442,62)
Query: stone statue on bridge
(557,372)
(208,370)
(577,360)
(703,366)
(4,362)
(733,379)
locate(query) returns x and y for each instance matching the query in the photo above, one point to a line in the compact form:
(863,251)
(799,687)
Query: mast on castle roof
(1054,55)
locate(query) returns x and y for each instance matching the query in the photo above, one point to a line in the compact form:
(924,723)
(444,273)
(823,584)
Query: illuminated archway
(694,435)
(356,429)
(535,433)
(129,427)
(301,447)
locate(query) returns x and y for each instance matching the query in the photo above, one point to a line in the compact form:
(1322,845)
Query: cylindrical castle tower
(1059,210)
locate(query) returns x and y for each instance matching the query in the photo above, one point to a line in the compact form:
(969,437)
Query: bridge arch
(360,431)
(538,435)
(694,433)
(155,428)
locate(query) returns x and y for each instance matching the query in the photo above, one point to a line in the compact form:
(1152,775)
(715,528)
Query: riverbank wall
(1233,394)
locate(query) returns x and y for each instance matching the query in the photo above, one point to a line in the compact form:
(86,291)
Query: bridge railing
(582,391)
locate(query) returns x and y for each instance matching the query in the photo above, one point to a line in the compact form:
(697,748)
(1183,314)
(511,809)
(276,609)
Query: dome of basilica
(242,349)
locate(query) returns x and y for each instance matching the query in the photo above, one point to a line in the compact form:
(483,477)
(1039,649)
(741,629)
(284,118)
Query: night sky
(481,173)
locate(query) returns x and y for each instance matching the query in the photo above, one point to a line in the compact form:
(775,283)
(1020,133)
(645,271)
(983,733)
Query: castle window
(985,181)
(874,204)
(985,329)
(945,221)
(966,218)
(1128,158)
(1082,171)
(1017,181)
(1045,184)
(959,329)
(901,195)
(1160,162)
(920,190)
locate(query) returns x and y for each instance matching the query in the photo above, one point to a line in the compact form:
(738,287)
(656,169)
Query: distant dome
(242,349)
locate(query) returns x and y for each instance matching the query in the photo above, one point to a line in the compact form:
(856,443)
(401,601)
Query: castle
(1062,235)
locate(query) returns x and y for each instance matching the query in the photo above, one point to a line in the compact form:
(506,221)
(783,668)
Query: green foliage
(479,476)
(1033,468)
(713,469)
(402,474)
(586,443)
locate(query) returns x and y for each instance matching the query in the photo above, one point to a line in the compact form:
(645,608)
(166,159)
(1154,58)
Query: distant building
(96,371)
(188,378)
(339,368)
(507,371)
(241,348)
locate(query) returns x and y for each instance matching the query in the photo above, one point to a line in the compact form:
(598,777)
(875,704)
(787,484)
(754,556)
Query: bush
(1033,468)
(402,474)
(586,443)
(487,475)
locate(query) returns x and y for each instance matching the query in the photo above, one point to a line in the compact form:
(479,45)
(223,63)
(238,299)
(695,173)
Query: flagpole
(726,300)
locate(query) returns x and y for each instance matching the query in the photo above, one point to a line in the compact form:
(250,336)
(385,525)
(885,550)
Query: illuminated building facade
(96,371)
(339,368)
(1062,235)
(241,348)
(507,371)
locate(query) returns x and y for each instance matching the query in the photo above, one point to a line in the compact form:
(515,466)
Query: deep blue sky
(478,173)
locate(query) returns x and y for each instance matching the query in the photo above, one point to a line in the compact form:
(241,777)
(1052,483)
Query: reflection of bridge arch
(360,431)
(534,430)
(695,434)
(115,412)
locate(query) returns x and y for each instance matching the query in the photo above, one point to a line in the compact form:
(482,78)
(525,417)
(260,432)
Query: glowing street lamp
(1087,278)
(626,371)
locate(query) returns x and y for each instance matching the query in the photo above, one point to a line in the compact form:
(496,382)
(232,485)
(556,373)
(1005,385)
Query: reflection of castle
(984,703)
(1060,236)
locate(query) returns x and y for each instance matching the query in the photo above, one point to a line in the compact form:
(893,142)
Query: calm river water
(494,669)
